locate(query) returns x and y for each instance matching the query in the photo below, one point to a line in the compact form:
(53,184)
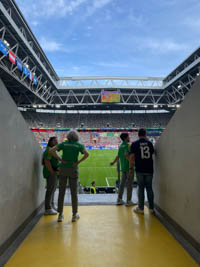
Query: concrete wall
(21,182)
(177,166)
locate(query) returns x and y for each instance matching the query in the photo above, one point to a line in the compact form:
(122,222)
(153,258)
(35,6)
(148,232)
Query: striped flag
(3,48)
(12,57)
(30,75)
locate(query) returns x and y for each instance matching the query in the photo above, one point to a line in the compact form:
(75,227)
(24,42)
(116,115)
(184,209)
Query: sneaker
(54,207)
(50,212)
(130,203)
(60,217)
(75,217)
(120,202)
(138,210)
(152,211)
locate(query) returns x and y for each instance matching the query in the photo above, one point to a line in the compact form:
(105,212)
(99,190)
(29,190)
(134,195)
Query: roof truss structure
(80,91)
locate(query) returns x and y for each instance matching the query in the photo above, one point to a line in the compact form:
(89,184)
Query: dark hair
(92,183)
(50,144)
(142,132)
(123,136)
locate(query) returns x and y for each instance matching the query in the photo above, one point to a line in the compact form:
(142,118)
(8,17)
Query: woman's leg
(74,196)
(61,196)
(51,183)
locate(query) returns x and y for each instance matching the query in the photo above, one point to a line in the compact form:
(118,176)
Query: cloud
(35,23)
(76,68)
(161,45)
(193,23)
(137,20)
(168,3)
(89,28)
(96,5)
(111,64)
(71,70)
(59,8)
(62,7)
(52,46)
(48,8)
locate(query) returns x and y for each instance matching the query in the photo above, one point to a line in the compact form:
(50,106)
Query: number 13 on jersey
(145,152)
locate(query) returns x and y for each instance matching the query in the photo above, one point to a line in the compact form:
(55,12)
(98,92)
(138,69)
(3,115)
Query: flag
(30,75)
(35,80)
(3,48)
(26,71)
(19,64)
(12,57)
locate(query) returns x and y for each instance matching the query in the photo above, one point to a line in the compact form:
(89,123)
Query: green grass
(97,168)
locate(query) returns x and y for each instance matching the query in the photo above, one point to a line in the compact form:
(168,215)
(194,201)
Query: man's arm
(127,156)
(53,150)
(47,164)
(85,156)
(115,160)
(152,149)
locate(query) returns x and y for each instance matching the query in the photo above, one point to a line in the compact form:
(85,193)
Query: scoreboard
(110,97)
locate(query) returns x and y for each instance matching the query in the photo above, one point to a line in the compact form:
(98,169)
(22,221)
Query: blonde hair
(73,135)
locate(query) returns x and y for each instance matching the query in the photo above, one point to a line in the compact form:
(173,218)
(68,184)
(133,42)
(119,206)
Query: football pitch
(97,168)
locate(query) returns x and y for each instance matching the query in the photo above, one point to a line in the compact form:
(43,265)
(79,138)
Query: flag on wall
(12,57)
(3,48)
(19,64)
(35,80)
(26,71)
(30,75)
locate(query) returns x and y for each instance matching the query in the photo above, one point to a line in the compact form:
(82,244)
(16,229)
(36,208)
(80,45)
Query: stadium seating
(110,139)
(54,120)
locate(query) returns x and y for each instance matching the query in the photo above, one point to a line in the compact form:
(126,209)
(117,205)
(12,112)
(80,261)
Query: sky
(134,38)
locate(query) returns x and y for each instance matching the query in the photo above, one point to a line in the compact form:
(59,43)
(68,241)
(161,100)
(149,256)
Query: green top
(53,161)
(71,151)
(124,163)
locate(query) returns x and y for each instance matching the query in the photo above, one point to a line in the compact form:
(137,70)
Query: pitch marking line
(107,182)
(109,178)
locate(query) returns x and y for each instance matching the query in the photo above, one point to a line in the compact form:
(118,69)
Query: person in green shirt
(69,169)
(122,155)
(50,166)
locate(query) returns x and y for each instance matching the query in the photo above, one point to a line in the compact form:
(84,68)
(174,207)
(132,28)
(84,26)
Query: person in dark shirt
(141,154)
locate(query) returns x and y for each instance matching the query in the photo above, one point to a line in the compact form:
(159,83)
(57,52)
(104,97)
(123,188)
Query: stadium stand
(94,139)
(52,120)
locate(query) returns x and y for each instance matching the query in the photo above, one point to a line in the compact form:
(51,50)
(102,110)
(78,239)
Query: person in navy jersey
(141,155)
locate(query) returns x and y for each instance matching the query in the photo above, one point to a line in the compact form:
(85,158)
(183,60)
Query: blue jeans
(144,180)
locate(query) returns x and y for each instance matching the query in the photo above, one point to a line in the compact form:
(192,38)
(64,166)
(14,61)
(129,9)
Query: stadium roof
(31,79)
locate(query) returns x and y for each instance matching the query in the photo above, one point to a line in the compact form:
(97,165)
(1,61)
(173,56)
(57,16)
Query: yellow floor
(104,236)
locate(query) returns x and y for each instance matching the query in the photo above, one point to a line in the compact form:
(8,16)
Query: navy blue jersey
(143,151)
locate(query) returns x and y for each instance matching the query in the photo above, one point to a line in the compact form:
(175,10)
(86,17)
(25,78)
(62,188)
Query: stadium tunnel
(105,235)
